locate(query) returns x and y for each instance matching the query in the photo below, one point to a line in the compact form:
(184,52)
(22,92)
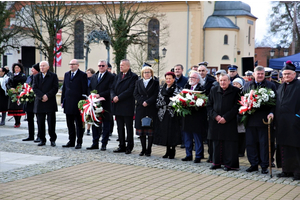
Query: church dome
(232,8)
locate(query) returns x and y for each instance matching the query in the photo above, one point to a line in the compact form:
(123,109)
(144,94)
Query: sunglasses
(101,65)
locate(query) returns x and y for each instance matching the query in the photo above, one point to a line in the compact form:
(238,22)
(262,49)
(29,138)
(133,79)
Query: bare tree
(284,21)
(42,20)
(8,39)
(127,24)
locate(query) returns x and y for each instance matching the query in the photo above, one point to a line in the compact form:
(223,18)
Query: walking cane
(269,139)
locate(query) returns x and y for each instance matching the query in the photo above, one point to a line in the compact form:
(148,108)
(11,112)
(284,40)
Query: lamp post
(272,52)
(164,51)
(286,52)
(278,47)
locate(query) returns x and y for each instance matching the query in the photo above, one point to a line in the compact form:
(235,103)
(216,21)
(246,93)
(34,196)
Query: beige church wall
(215,48)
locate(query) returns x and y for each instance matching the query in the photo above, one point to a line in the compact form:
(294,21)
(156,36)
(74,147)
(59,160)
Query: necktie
(192,88)
(123,75)
(72,75)
(99,78)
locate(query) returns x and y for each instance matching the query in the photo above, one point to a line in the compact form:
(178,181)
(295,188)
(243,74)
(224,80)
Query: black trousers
(30,121)
(257,146)
(128,122)
(225,153)
(71,121)
(103,130)
(51,121)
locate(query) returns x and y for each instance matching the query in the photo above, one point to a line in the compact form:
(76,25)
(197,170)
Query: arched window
(153,39)
(225,57)
(249,38)
(78,39)
(225,39)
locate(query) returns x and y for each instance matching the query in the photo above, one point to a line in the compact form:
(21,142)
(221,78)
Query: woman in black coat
(145,94)
(3,94)
(168,129)
(14,109)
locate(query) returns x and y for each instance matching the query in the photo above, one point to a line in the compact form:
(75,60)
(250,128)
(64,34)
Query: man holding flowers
(194,123)
(256,130)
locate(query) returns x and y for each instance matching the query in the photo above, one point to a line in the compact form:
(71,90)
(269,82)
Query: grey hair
(259,68)
(200,78)
(203,66)
(224,74)
(102,61)
(45,61)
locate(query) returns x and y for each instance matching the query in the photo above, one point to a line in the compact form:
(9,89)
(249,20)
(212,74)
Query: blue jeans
(188,137)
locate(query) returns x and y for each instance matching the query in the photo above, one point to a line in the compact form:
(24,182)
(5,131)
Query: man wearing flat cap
(288,123)
(232,72)
(29,106)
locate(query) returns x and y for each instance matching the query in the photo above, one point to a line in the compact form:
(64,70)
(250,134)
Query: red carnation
(184,92)
(192,103)
(195,97)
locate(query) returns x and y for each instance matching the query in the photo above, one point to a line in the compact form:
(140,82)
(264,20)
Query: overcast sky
(260,9)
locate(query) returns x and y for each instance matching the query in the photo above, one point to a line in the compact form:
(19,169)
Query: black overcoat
(103,88)
(255,119)
(13,83)
(149,95)
(195,123)
(28,107)
(225,104)
(123,88)
(73,90)
(209,80)
(48,86)
(287,107)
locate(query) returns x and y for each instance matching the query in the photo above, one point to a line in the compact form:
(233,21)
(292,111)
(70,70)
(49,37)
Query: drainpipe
(187,37)
(203,44)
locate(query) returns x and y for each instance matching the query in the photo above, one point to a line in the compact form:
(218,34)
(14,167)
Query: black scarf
(167,93)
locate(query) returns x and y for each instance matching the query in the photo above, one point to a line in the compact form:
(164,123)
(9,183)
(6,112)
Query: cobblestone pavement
(83,174)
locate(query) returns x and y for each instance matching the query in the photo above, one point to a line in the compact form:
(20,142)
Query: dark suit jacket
(255,119)
(123,88)
(48,86)
(209,80)
(181,81)
(28,107)
(73,90)
(195,123)
(103,88)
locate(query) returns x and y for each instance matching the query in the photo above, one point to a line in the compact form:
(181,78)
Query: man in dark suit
(256,131)
(102,82)
(123,100)
(180,79)
(29,106)
(75,85)
(45,87)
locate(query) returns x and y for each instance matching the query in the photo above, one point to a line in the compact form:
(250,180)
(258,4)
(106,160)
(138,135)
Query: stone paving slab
(98,180)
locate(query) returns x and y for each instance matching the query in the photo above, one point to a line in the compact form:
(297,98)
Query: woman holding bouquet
(145,94)
(168,130)
(14,109)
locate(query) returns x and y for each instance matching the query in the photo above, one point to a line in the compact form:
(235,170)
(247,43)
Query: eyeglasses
(201,70)
(147,72)
(286,74)
(72,64)
(101,65)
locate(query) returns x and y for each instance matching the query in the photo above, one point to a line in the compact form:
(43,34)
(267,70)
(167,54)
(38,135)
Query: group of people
(128,97)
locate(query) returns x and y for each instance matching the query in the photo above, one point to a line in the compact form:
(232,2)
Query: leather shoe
(103,148)
(187,158)
(78,146)
(92,147)
(42,144)
(284,174)
(127,151)
(28,139)
(226,169)
(53,144)
(252,169)
(37,139)
(213,167)
(264,170)
(69,145)
(119,150)
(273,165)
(142,153)
(197,160)
(295,178)
(182,146)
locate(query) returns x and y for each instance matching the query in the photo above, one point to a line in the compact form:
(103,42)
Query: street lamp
(272,52)
(164,51)
(286,52)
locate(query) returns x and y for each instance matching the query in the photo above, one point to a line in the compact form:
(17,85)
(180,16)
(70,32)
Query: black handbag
(147,122)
